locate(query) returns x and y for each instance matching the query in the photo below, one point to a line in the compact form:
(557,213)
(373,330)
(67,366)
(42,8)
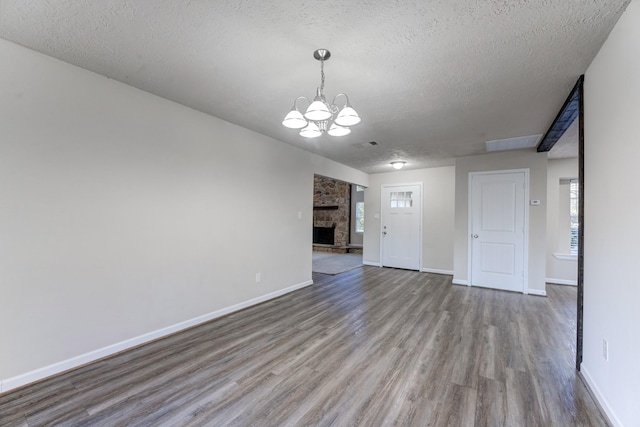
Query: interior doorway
(572,110)
(338,218)
(498,229)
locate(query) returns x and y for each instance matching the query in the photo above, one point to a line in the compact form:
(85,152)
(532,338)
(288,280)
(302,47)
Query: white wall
(561,271)
(438,214)
(122,213)
(612,211)
(519,159)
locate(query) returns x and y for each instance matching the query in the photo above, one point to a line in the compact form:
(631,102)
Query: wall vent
(366,144)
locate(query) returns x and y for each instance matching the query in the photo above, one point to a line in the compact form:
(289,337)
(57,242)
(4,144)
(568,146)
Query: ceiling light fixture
(398,164)
(321,116)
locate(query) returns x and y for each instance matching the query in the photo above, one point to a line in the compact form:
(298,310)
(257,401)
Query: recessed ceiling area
(431,80)
(513,143)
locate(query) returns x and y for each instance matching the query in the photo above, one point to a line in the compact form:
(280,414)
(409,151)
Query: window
(401,199)
(573,213)
(359,188)
(359,217)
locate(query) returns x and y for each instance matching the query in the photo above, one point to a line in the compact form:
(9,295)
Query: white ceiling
(432,80)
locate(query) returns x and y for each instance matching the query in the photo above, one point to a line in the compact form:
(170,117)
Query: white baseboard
(538,292)
(562,282)
(604,404)
(75,362)
(460,282)
(437,271)
(373,264)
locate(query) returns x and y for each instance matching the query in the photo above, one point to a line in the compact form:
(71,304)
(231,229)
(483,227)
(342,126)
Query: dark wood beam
(565,117)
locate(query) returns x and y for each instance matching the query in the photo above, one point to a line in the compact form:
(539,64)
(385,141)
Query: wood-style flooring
(368,347)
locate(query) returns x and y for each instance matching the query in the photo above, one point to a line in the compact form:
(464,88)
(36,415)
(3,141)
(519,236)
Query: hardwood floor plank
(371,346)
(460,409)
(491,403)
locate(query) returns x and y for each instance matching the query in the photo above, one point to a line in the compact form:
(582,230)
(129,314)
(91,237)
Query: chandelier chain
(322,77)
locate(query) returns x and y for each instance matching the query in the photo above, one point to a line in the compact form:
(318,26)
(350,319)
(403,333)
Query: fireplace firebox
(324,235)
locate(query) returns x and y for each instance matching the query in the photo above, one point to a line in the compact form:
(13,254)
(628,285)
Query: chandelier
(321,116)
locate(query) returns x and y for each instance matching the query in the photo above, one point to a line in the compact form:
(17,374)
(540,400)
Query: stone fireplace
(331,211)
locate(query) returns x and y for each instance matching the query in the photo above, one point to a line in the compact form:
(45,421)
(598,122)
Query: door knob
(475,236)
(384,233)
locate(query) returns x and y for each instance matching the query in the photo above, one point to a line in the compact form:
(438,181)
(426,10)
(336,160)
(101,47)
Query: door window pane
(401,199)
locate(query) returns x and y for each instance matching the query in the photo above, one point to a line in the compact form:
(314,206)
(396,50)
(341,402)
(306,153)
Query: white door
(401,217)
(498,230)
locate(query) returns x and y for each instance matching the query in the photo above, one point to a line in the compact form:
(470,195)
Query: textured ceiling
(432,80)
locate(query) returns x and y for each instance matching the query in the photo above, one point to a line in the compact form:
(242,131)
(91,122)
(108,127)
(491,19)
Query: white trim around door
(506,264)
(406,212)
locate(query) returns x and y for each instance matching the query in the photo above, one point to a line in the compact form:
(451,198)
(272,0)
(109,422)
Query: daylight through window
(573,207)
(359,217)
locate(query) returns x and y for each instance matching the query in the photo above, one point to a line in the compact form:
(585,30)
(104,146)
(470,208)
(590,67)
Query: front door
(401,218)
(498,230)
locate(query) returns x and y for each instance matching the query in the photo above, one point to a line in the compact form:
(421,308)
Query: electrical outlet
(258,277)
(605,350)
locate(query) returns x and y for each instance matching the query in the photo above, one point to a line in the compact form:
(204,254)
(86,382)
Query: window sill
(566,257)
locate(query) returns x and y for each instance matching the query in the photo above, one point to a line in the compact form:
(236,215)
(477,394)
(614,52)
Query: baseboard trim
(460,282)
(373,264)
(437,271)
(21,380)
(562,282)
(537,292)
(599,397)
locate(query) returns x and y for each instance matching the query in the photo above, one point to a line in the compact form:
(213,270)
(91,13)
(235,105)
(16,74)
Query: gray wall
(123,214)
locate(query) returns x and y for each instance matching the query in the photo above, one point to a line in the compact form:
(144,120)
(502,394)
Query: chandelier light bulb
(311,131)
(398,164)
(336,130)
(348,117)
(317,111)
(294,120)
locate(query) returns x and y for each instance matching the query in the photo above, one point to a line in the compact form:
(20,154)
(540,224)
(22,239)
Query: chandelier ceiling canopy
(320,116)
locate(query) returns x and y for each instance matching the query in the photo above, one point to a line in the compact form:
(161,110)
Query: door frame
(421,189)
(526,171)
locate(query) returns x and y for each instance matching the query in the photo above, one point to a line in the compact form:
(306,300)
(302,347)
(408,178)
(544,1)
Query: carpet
(329,263)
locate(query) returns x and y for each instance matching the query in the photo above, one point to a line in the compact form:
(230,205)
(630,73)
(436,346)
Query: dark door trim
(580,86)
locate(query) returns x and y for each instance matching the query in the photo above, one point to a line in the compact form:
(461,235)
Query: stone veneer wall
(330,192)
